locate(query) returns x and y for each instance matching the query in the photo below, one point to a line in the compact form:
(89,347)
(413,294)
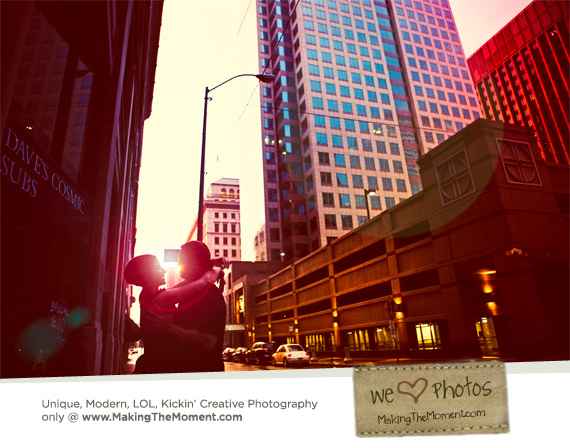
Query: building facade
(362,89)
(222,223)
(522,73)
(474,265)
(259,246)
(239,279)
(77,86)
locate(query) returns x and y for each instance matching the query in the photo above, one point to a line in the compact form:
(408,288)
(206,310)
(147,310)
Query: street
(229,366)
(238,367)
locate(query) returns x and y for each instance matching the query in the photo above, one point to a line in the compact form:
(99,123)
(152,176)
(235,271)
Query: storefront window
(384,339)
(379,338)
(358,340)
(320,342)
(51,97)
(428,336)
(487,337)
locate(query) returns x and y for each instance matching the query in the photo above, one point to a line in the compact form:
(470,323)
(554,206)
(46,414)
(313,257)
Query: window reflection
(52,95)
(73,144)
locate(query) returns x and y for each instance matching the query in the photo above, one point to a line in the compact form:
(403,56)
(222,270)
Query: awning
(235,327)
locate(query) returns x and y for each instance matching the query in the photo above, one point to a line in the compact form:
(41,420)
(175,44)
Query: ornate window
(518,162)
(454,178)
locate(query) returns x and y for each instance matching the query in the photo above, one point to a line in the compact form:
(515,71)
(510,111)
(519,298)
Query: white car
(289,354)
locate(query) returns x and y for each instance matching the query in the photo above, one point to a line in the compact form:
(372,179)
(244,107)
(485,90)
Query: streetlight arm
(260,77)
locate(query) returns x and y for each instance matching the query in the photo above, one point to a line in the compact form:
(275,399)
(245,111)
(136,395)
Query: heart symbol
(412,387)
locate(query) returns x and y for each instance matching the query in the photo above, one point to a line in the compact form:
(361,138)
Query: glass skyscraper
(362,89)
(521,76)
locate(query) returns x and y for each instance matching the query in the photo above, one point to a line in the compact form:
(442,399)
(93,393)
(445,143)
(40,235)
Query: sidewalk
(335,362)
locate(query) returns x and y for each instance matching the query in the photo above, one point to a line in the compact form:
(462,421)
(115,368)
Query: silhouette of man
(205,313)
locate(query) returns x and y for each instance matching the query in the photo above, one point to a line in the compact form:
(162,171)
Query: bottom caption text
(162,410)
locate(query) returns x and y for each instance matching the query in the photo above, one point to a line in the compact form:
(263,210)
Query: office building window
(394,149)
(354,161)
(342,179)
(360,201)
(339,160)
(324,158)
(375,202)
(372,182)
(330,221)
(328,199)
(357,181)
(381,147)
(352,143)
(346,221)
(273,234)
(337,141)
(321,139)
(326,178)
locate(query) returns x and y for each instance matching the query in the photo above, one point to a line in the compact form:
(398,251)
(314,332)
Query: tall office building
(362,89)
(222,229)
(521,75)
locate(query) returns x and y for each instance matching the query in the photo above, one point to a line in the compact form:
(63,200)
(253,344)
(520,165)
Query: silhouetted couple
(182,327)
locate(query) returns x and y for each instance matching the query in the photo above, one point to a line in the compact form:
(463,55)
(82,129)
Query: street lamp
(263,77)
(370,192)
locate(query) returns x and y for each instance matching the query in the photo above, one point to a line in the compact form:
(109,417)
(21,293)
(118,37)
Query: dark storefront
(72,119)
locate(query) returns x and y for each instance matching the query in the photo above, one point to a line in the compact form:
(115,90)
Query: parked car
(228,353)
(260,353)
(289,354)
(239,355)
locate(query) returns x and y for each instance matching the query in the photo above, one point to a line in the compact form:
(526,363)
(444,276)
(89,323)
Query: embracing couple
(182,327)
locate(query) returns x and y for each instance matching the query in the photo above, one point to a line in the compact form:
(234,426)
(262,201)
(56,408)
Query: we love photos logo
(424,399)
(410,389)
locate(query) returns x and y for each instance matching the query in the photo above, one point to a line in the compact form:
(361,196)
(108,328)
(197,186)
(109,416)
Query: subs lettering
(36,170)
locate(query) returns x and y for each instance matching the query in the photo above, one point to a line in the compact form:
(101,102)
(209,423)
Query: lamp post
(369,192)
(263,78)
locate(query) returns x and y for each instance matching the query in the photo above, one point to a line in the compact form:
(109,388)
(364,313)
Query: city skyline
(235,109)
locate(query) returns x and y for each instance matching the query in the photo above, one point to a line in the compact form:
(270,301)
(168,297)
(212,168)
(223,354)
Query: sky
(204,44)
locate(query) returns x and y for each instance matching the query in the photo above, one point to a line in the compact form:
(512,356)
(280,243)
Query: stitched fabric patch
(424,399)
